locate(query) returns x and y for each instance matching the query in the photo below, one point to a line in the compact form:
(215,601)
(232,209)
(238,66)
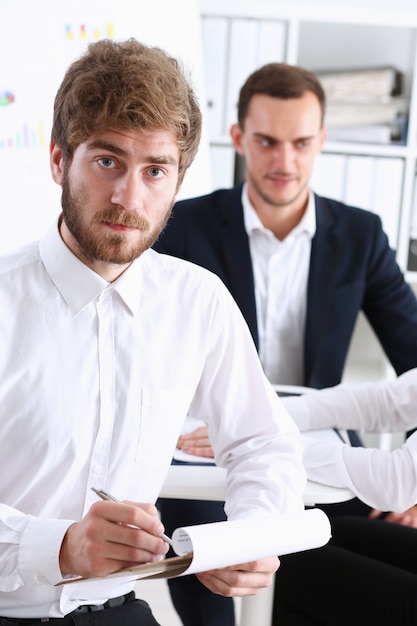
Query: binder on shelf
(242,61)
(359,184)
(361,113)
(215,46)
(252,44)
(394,132)
(271,42)
(328,177)
(375,184)
(367,182)
(366,105)
(387,195)
(361,83)
(222,160)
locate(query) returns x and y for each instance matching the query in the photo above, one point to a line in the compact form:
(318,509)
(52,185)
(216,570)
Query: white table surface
(208,482)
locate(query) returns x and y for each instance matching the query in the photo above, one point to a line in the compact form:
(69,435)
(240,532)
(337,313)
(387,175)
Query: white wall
(39,40)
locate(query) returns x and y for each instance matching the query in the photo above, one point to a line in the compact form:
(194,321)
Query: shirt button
(98,469)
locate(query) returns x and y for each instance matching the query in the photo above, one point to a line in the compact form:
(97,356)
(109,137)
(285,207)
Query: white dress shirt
(280,271)
(95,382)
(386,480)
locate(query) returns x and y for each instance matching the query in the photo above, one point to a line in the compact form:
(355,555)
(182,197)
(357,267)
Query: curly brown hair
(126,85)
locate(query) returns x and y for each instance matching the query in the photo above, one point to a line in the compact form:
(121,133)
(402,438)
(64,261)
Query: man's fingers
(111,536)
(241,580)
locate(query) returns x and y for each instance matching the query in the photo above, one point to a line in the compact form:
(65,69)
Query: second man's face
(279,143)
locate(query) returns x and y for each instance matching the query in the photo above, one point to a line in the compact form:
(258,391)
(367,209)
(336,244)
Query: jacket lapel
(324,263)
(238,263)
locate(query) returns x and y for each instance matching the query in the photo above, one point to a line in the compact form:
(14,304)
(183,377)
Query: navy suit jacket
(352,268)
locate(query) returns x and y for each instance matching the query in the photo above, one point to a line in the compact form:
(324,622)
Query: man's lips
(281,180)
(119,227)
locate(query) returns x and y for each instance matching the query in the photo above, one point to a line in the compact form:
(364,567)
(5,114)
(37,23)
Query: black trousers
(195,604)
(134,612)
(366,575)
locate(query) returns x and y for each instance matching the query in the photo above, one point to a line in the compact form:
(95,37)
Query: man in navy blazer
(336,260)
(351,269)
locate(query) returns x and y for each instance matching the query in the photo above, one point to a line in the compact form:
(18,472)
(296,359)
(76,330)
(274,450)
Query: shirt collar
(252,222)
(78,284)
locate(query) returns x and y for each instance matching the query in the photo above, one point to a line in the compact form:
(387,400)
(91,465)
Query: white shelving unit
(240,35)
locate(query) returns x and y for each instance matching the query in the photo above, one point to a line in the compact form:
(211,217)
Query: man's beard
(111,247)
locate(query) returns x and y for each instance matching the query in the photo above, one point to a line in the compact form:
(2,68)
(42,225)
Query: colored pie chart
(6,97)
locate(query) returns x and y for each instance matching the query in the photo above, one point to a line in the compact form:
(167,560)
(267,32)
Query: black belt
(85,608)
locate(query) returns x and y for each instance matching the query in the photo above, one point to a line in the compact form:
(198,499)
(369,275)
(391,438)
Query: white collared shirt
(386,480)
(281,273)
(95,382)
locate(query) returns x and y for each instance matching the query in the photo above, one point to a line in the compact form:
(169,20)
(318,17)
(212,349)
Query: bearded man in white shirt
(105,347)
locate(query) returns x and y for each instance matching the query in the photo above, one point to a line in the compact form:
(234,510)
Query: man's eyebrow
(274,140)
(159,159)
(162,159)
(264,136)
(106,145)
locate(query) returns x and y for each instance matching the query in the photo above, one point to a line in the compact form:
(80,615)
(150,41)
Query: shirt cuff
(39,549)
(324,463)
(298,409)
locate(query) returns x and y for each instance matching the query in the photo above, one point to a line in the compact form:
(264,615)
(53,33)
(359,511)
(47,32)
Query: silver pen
(106,496)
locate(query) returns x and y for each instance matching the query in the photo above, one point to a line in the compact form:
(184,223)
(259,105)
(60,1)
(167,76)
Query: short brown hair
(279,80)
(126,85)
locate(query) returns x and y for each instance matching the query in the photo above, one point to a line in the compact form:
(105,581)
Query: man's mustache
(120,217)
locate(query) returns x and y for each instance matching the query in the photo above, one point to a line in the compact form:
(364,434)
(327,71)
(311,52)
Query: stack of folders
(365,105)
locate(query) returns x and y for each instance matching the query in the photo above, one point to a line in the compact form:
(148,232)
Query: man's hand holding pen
(111,536)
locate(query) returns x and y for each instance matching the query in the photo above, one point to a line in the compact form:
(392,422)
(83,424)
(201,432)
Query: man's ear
(56,162)
(236,135)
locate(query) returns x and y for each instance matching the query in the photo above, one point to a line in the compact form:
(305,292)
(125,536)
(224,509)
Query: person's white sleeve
(252,435)
(383,406)
(29,549)
(385,480)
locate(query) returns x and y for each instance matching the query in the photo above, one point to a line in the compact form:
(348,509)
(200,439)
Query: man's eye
(107,162)
(155,172)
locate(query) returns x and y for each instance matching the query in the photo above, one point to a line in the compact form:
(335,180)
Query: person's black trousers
(195,604)
(367,574)
(133,612)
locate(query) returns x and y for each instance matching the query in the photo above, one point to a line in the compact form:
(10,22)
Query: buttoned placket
(266,281)
(106,374)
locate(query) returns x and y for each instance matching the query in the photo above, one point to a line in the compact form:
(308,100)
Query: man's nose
(284,157)
(129,192)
